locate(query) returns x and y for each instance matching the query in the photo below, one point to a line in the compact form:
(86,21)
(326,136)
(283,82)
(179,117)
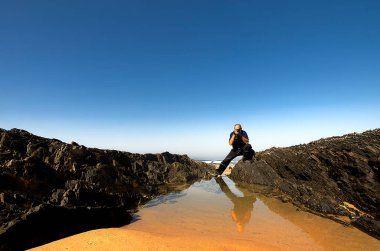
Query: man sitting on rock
(240,146)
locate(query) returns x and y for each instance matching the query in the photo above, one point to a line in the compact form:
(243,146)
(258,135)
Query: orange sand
(123,239)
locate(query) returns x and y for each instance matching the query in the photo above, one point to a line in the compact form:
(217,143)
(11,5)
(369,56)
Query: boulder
(41,177)
(324,176)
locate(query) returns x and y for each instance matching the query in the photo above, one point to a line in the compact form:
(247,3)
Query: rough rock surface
(336,176)
(50,189)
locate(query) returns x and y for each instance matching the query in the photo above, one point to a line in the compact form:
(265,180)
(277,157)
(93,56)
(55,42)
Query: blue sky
(154,76)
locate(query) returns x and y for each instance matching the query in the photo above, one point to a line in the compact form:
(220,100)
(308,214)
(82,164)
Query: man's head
(237,127)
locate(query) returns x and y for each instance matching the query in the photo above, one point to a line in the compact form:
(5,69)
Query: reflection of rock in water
(207,186)
(165,199)
(243,206)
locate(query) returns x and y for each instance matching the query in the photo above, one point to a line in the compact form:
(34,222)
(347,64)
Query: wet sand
(215,215)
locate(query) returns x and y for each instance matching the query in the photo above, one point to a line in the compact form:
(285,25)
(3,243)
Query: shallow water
(219,210)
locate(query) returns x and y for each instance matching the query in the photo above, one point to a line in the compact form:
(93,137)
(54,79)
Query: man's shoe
(213,173)
(217,174)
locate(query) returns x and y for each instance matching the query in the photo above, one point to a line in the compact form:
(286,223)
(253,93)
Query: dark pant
(246,151)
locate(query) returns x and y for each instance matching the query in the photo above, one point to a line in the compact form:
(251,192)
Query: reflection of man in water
(243,206)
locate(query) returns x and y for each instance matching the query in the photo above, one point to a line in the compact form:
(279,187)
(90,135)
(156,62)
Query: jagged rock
(38,172)
(324,174)
(368,225)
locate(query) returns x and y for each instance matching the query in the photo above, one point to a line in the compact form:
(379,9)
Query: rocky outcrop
(61,189)
(336,176)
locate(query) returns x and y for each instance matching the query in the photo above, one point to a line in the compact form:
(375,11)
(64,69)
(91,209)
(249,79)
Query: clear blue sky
(151,76)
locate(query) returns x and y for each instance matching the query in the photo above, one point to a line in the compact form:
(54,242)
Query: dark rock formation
(62,189)
(324,176)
